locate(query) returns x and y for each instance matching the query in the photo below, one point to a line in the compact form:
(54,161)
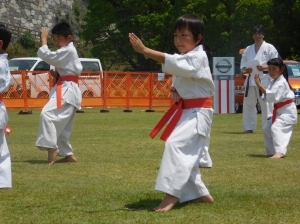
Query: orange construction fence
(31,89)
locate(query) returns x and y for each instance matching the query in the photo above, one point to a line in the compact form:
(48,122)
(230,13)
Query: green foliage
(108,30)
(229,26)
(76,11)
(16,50)
(294,55)
(27,40)
(113,180)
(285,34)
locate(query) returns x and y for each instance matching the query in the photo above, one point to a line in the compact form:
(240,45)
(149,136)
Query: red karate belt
(277,106)
(71,78)
(176,112)
(7,129)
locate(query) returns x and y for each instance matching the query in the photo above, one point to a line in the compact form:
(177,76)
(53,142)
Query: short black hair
(193,23)
(258,29)
(196,25)
(62,29)
(5,36)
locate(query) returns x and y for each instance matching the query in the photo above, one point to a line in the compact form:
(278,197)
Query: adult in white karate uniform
(189,128)
(5,78)
(57,119)
(278,128)
(263,52)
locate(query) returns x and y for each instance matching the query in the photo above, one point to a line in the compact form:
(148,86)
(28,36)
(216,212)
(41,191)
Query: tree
(228,26)
(108,23)
(286,28)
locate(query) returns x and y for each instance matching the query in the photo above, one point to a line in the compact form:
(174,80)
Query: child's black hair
(196,26)
(279,63)
(5,36)
(62,29)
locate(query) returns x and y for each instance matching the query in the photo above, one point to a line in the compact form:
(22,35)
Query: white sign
(161,76)
(224,73)
(223,66)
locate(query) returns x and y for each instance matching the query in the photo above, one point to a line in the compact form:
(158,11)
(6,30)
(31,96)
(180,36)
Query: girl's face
(184,40)
(275,71)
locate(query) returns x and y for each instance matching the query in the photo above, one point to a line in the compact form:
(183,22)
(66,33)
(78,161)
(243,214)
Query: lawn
(113,181)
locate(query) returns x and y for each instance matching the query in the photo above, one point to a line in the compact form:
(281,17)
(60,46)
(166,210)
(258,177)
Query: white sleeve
(276,94)
(56,58)
(188,65)
(273,53)
(244,59)
(5,77)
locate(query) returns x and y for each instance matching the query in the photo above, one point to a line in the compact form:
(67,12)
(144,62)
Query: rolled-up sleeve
(188,65)
(55,58)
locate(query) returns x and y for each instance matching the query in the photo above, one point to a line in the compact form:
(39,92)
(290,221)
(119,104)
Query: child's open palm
(136,43)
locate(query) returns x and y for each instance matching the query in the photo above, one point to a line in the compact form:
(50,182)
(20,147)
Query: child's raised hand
(136,43)
(44,35)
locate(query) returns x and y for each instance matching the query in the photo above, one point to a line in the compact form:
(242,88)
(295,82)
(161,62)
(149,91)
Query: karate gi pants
(179,173)
(5,163)
(55,127)
(277,135)
(249,107)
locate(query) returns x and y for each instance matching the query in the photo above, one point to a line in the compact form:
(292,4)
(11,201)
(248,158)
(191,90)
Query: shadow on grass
(36,161)
(236,133)
(258,156)
(148,204)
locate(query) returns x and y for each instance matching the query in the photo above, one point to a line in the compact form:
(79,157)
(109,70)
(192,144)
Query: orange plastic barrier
(136,89)
(31,89)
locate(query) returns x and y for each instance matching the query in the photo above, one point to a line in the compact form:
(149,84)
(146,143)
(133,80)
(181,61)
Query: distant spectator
(263,52)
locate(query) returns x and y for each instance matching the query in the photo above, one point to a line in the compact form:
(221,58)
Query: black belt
(247,86)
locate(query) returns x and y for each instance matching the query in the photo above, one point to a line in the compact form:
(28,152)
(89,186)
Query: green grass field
(113,181)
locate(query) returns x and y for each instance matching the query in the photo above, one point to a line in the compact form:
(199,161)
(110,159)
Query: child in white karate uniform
(57,116)
(278,128)
(186,134)
(5,77)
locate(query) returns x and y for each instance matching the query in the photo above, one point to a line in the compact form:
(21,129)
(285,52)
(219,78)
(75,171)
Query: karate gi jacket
(66,62)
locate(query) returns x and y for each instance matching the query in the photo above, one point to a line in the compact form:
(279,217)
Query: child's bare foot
(167,203)
(52,153)
(204,199)
(70,158)
(277,155)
